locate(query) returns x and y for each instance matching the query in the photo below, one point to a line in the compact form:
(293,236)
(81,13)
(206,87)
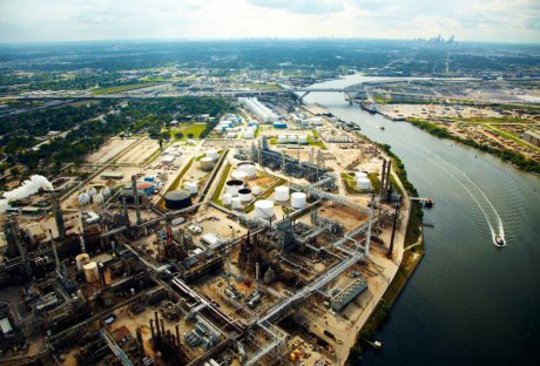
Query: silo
(207,163)
(244,194)
(227,198)
(81,260)
(281,193)
(91,272)
(236,203)
(264,209)
(298,200)
(233,186)
(177,200)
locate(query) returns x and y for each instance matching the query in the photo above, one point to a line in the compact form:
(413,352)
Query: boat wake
(496,229)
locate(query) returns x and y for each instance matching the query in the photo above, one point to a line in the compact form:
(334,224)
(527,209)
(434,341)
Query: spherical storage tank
(92,191)
(177,200)
(264,209)
(106,192)
(244,194)
(363,183)
(207,163)
(298,200)
(98,199)
(281,193)
(233,186)
(84,198)
(91,272)
(191,187)
(249,168)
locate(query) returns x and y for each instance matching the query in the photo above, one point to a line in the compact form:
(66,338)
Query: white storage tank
(281,193)
(191,187)
(282,139)
(298,200)
(264,209)
(233,186)
(207,163)
(98,199)
(92,192)
(302,140)
(81,260)
(359,175)
(84,198)
(91,272)
(227,198)
(212,154)
(236,203)
(293,139)
(249,168)
(256,190)
(106,192)
(363,183)
(239,175)
(248,133)
(244,194)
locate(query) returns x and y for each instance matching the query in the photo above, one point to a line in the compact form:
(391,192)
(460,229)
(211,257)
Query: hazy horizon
(494,21)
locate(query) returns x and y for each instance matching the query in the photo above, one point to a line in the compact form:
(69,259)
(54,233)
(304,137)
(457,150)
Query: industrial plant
(270,241)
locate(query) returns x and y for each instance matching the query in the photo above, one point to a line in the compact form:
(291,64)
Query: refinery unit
(264,252)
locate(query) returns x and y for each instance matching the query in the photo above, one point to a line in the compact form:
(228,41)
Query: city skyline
(61,20)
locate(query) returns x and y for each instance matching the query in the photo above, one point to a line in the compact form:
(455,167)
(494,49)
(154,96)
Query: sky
(75,20)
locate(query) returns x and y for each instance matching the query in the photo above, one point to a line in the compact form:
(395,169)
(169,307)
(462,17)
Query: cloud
(302,6)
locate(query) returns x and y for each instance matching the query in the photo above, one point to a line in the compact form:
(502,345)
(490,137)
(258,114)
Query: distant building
(532,137)
(261,111)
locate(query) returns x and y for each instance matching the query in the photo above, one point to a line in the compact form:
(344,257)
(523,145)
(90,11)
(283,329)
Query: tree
(179,135)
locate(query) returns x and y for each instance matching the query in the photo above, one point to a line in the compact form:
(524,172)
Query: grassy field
(263,86)
(120,88)
(186,129)
(512,137)
(216,196)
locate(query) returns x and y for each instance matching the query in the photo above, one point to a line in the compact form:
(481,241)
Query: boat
(382,128)
(499,241)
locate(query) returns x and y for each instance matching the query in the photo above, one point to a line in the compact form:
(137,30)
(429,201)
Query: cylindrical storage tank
(363,183)
(239,175)
(292,139)
(249,168)
(282,139)
(92,191)
(248,133)
(91,272)
(191,187)
(302,140)
(227,198)
(233,186)
(236,203)
(244,194)
(256,190)
(359,175)
(81,260)
(298,200)
(212,154)
(177,200)
(207,163)
(264,209)
(281,193)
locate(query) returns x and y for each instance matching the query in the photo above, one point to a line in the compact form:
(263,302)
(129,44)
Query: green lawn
(187,128)
(120,88)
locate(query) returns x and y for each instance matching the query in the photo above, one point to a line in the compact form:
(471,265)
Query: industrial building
(262,112)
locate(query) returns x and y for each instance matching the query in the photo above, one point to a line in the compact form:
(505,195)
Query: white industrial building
(260,111)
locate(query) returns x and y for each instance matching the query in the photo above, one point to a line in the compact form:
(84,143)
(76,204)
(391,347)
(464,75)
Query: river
(469,302)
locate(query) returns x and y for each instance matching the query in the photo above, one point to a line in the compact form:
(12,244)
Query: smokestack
(58,216)
(55,252)
(177,335)
(383,174)
(124,208)
(387,178)
(394,224)
(136,198)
